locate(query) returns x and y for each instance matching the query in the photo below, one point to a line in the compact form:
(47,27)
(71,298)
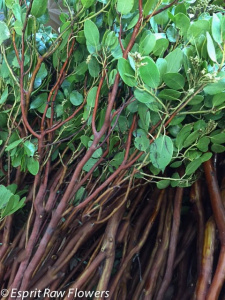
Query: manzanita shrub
(125,94)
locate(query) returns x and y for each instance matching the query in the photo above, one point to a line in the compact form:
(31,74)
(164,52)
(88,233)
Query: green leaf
(147,44)
(160,47)
(196,100)
(91,96)
(91,33)
(174,80)
(76,98)
(161,152)
(218,148)
(191,138)
(218,138)
(5,195)
(97,153)
(193,166)
(206,156)
(4,96)
(215,88)
(29,148)
(162,184)
(143,96)
(162,18)
(5,34)
(13,145)
(111,39)
(42,73)
(18,27)
(203,144)
(9,3)
(89,164)
(32,166)
(141,141)
(198,28)
(169,94)
(126,72)
(17,11)
(172,34)
(148,6)
(211,48)
(216,29)
(112,76)
(180,8)
(144,115)
(182,22)
(133,22)
(174,60)
(93,67)
(39,101)
(218,99)
(79,195)
(87,3)
(182,135)
(12,188)
(125,6)
(81,68)
(13,205)
(176,164)
(38,8)
(161,63)
(149,73)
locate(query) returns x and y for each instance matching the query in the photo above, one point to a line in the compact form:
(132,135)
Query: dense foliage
(123,94)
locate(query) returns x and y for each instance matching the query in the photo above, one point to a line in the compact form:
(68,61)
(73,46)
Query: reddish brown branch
(207,261)
(215,197)
(173,243)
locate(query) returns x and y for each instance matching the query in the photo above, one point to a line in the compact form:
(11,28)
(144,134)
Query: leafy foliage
(176,73)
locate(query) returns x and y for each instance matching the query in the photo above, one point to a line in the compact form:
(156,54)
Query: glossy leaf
(87,3)
(39,101)
(91,33)
(182,135)
(182,22)
(193,166)
(141,141)
(4,96)
(149,73)
(39,7)
(162,184)
(91,96)
(143,96)
(161,152)
(218,99)
(33,166)
(125,6)
(211,48)
(215,88)
(216,29)
(5,34)
(147,44)
(13,145)
(160,46)
(126,72)
(169,94)
(218,138)
(174,80)
(203,144)
(174,60)
(76,98)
